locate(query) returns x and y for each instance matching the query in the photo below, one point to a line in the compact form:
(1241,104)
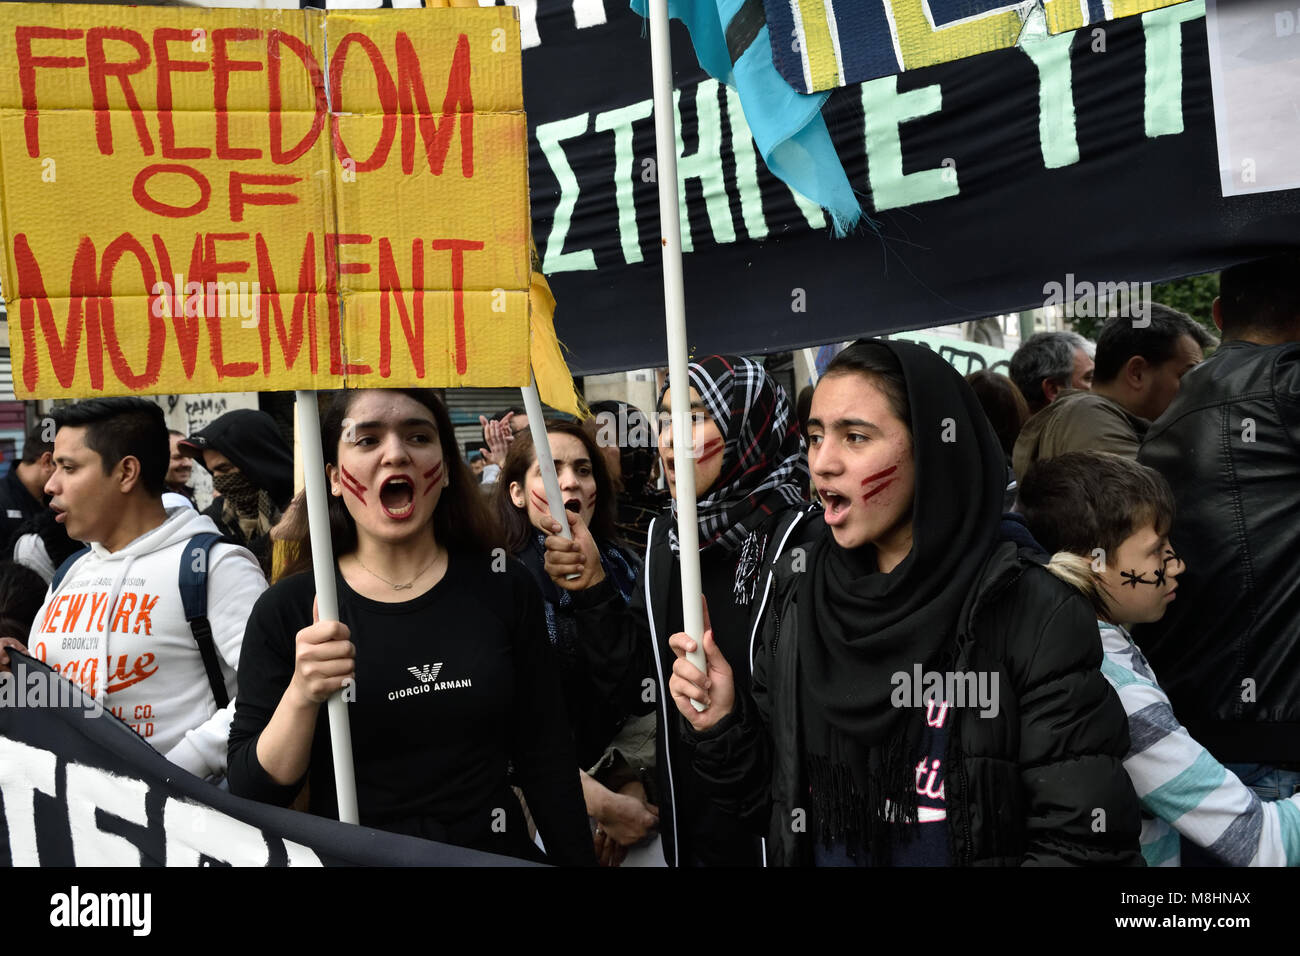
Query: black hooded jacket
(1028,783)
(253,443)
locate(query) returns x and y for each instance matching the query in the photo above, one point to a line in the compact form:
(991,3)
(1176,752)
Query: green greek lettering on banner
(1164,77)
(742,145)
(620,122)
(549,137)
(886,109)
(1057,137)
(705,164)
(751,199)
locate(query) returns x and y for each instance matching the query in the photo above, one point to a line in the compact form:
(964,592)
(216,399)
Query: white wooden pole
(542,445)
(661,61)
(327,600)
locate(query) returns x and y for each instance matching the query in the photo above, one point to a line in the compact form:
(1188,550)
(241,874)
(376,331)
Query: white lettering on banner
(89,790)
(194,831)
(191,830)
(23,771)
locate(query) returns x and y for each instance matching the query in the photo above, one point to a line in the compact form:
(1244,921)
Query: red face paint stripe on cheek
(710,450)
(435,476)
(880,474)
(350,483)
(875,491)
(540,501)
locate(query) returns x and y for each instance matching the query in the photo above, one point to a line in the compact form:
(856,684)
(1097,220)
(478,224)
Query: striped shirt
(1182,788)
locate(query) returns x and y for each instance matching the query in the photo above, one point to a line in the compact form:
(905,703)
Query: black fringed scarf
(859,627)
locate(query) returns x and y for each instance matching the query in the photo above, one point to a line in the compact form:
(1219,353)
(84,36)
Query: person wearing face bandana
(749,462)
(252,470)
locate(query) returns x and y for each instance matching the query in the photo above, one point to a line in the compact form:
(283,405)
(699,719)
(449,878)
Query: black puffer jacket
(1228,649)
(1042,782)
(630,661)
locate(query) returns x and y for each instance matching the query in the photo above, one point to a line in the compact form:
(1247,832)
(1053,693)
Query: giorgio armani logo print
(426,674)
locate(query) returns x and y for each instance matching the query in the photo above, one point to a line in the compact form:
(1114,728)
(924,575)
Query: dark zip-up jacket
(1228,649)
(16,506)
(629,657)
(1040,782)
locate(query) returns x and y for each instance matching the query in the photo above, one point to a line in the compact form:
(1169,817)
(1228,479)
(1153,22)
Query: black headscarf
(859,627)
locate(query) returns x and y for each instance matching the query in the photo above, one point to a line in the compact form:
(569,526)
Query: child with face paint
(923,693)
(442,638)
(1107,520)
(623,814)
(748,459)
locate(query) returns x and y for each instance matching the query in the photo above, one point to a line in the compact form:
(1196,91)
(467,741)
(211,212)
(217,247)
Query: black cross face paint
(1133,579)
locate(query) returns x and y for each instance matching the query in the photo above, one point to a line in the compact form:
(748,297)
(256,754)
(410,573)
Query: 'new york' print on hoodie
(116,627)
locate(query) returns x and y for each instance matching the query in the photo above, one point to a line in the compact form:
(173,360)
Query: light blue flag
(731,42)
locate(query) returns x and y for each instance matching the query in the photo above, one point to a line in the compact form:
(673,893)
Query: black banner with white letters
(989,178)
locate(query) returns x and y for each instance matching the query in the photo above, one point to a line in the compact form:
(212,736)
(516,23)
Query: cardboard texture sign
(230,200)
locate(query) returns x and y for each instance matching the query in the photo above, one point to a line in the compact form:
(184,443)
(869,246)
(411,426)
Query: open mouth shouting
(397,497)
(572,503)
(835,504)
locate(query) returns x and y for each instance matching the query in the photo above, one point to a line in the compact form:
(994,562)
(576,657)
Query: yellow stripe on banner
(818,49)
(1064,15)
(923,46)
(1129,8)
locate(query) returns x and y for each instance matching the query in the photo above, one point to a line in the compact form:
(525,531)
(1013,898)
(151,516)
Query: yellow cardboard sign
(201,200)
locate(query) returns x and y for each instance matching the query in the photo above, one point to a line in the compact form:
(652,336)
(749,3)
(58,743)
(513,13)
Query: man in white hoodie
(115,623)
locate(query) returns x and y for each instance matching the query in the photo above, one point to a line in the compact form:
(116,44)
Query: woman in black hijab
(924,693)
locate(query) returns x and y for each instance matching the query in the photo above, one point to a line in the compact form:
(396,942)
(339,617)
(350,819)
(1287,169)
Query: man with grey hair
(1138,372)
(1048,363)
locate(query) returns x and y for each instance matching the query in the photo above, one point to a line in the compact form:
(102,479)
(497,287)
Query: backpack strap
(66,566)
(193,582)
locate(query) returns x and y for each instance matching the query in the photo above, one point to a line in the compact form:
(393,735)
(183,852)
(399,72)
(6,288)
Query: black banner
(79,788)
(979,204)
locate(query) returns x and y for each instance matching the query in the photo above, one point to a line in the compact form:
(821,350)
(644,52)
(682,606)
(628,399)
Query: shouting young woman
(614,751)
(748,458)
(923,694)
(447,646)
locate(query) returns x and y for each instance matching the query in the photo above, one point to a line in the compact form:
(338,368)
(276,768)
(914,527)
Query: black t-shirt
(452,688)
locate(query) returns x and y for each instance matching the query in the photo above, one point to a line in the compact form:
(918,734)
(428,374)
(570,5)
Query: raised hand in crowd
(715,689)
(498,434)
(578,557)
(4,655)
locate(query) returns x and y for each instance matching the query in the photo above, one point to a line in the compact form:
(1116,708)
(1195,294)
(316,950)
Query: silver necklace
(399,587)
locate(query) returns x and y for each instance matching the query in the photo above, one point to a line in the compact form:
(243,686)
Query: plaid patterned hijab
(762,461)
